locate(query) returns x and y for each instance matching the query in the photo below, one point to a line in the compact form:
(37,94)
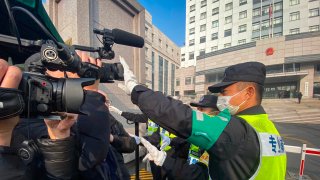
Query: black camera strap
(11,103)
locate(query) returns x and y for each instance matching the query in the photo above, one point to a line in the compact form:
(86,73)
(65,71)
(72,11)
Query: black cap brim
(197,105)
(217,87)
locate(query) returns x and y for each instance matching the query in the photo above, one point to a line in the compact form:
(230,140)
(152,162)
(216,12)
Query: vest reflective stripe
(273,159)
(152,127)
(169,135)
(194,154)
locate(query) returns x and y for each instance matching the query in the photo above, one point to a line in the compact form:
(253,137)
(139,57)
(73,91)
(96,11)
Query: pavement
(298,124)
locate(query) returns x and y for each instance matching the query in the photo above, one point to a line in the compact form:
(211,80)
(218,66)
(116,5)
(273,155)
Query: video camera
(45,95)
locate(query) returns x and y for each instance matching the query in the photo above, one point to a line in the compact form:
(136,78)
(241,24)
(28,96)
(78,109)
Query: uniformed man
(241,141)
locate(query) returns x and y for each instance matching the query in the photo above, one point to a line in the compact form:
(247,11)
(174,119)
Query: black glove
(11,103)
(59,157)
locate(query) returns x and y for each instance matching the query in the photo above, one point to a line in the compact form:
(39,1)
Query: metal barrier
(303,151)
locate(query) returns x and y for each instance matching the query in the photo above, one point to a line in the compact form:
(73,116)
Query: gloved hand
(114,109)
(136,138)
(158,157)
(165,141)
(130,80)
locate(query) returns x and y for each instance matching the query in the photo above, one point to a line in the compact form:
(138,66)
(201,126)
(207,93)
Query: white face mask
(223,103)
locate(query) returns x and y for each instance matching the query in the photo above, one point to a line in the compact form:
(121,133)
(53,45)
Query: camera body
(45,95)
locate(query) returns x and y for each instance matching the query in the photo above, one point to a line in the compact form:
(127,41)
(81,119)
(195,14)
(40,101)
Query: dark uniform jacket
(122,143)
(235,155)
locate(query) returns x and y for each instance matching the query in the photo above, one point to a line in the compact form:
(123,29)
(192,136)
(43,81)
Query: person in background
(299,97)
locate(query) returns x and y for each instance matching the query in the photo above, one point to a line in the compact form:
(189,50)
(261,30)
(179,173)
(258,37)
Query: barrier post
(136,132)
(303,156)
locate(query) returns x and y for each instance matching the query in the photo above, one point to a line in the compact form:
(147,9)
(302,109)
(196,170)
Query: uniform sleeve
(180,169)
(122,141)
(168,113)
(140,118)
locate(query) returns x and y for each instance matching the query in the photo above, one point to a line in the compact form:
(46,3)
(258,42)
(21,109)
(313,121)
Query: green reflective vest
(152,127)
(273,158)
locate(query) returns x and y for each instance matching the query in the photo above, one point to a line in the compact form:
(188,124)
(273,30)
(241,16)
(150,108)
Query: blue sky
(169,17)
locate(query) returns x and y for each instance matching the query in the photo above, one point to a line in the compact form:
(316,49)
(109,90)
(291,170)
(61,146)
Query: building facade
(292,61)
(220,33)
(154,65)
(213,25)
(162,59)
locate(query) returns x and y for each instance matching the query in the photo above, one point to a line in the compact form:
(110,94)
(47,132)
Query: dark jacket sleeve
(93,131)
(122,141)
(154,138)
(177,168)
(59,157)
(168,113)
(140,118)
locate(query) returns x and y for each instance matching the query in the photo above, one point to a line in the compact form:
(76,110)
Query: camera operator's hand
(61,129)
(130,80)
(10,77)
(84,58)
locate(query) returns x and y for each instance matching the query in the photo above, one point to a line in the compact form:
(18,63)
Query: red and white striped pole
(303,156)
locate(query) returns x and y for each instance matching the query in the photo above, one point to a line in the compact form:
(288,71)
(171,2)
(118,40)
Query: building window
(203,15)
(256,27)
(203,3)
(191,31)
(215,24)
(160,42)
(183,57)
(227,32)
(277,7)
(146,49)
(228,6)
(202,39)
(294,2)
(314,28)
(242,28)
(255,39)
(242,14)
(191,42)
(214,48)
(160,75)
(228,19)
(256,12)
(192,19)
(214,36)
(242,2)
(215,1)
(173,72)
(202,27)
(295,16)
(188,81)
(146,30)
(227,45)
(242,41)
(202,52)
(166,77)
(152,76)
(277,21)
(294,31)
(265,10)
(265,24)
(177,82)
(277,34)
(314,12)
(191,55)
(215,11)
(192,8)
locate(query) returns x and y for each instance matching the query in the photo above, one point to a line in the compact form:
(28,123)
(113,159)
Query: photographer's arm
(10,77)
